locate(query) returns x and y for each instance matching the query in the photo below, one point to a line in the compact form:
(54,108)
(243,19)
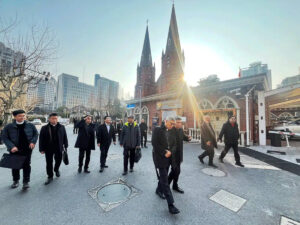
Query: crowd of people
(20,138)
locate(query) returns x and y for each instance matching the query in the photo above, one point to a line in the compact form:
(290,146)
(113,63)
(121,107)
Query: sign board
(172,104)
(130,106)
(166,114)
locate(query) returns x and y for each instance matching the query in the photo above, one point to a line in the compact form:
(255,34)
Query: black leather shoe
(106,166)
(213,165)
(124,173)
(221,160)
(146,146)
(161,195)
(15,184)
(201,160)
(101,170)
(79,169)
(131,170)
(178,189)
(57,174)
(25,185)
(239,164)
(86,171)
(173,209)
(48,181)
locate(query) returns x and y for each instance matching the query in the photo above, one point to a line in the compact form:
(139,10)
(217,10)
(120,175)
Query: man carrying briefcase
(20,138)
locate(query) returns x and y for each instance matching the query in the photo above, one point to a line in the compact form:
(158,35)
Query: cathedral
(154,100)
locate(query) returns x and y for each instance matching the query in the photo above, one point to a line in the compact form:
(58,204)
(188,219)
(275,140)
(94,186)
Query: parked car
(37,122)
(64,121)
(292,127)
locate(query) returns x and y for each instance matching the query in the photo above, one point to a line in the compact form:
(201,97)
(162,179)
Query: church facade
(169,95)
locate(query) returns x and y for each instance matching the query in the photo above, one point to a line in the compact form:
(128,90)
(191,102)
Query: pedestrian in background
(105,135)
(208,141)
(230,131)
(144,129)
(85,142)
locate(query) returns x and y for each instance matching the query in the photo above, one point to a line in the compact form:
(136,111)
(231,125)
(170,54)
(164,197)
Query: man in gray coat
(130,139)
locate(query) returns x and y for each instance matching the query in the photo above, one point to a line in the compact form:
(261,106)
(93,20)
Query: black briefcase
(12,161)
(65,157)
(138,155)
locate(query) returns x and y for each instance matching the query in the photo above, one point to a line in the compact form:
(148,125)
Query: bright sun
(201,61)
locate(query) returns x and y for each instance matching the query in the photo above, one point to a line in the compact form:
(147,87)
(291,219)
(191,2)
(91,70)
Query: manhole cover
(276,152)
(213,172)
(113,194)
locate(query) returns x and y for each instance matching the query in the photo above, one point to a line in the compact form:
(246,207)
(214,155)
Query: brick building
(170,96)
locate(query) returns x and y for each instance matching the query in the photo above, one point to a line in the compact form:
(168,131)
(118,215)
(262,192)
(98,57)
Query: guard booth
(284,100)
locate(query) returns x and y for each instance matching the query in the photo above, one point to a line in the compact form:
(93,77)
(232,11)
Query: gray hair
(170,118)
(178,118)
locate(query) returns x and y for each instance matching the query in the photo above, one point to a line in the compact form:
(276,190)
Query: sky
(218,37)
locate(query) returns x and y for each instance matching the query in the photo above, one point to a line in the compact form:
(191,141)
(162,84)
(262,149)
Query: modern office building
(72,93)
(257,68)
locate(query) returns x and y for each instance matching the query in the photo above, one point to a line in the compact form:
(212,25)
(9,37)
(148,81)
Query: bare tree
(29,54)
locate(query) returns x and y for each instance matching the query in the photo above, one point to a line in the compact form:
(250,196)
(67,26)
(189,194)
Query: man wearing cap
(20,138)
(105,134)
(85,142)
(130,140)
(52,142)
(230,131)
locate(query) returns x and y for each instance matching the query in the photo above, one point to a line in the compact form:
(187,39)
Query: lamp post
(247,116)
(140,116)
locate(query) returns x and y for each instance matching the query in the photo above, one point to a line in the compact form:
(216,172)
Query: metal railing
(196,136)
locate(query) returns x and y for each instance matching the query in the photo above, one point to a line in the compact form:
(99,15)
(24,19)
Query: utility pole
(140,119)
(247,116)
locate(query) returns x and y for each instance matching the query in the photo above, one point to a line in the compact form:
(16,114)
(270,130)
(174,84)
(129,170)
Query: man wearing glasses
(230,131)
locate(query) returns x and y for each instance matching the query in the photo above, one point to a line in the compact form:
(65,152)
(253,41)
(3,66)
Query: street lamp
(140,116)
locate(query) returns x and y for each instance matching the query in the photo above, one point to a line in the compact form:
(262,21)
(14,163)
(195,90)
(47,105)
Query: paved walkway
(259,194)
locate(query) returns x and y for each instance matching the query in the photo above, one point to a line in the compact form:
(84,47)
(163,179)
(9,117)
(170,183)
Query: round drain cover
(213,172)
(114,193)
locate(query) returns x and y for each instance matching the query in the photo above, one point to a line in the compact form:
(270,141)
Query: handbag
(65,157)
(138,154)
(12,161)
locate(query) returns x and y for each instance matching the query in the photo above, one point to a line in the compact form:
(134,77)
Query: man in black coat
(164,142)
(177,155)
(20,138)
(144,129)
(119,128)
(85,142)
(52,142)
(208,141)
(105,134)
(230,131)
(130,140)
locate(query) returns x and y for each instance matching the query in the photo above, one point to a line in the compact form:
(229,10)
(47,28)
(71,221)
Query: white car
(292,126)
(37,122)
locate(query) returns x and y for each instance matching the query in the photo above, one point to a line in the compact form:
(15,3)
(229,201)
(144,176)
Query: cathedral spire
(146,58)
(173,42)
